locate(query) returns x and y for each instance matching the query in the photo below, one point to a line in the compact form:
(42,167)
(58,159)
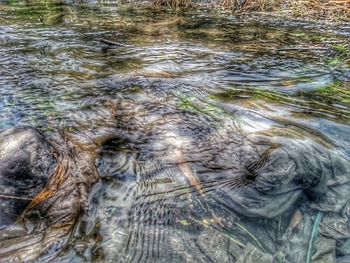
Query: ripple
(217,140)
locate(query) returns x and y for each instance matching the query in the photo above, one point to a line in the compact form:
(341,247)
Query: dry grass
(336,9)
(173,4)
(330,9)
(250,5)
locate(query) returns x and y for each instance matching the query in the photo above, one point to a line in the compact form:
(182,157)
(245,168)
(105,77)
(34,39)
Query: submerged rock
(26,162)
(56,176)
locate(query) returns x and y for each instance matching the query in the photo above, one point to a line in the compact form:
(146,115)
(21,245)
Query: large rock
(26,162)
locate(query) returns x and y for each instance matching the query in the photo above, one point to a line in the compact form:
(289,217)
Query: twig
(15,197)
(250,234)
(302,49)
(70,10)
(111,43)
(333,42)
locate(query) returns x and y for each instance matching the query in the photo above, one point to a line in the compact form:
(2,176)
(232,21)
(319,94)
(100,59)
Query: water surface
(203,100)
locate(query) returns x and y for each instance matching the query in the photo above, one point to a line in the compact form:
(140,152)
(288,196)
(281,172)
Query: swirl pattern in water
(196,139)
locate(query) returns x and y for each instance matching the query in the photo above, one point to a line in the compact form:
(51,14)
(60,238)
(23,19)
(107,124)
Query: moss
(335,89)
(204,106)
(340,56)
(331,99)
(334,62)
(336,92)
(342,48)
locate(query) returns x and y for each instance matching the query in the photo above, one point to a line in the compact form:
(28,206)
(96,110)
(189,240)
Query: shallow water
(205,99)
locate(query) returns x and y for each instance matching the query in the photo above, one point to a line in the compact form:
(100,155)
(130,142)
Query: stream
(233,132)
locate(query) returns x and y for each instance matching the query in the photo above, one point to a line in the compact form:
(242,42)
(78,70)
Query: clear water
(202,95)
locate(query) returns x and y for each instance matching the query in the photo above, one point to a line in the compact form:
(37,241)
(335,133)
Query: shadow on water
(231,141)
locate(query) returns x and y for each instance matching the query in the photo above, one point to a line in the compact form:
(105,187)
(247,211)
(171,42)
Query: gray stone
(26,162)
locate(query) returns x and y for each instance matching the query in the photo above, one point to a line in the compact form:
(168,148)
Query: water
(203,101)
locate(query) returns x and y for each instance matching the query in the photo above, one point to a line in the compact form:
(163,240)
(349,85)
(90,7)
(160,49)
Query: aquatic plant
(336,92)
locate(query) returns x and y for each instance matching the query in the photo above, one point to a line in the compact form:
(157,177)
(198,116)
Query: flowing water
(233,133)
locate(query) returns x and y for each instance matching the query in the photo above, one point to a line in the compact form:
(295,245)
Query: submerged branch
(15,197)
(111,43)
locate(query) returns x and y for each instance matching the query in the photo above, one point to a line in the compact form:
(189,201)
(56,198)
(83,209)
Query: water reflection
(227,150)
